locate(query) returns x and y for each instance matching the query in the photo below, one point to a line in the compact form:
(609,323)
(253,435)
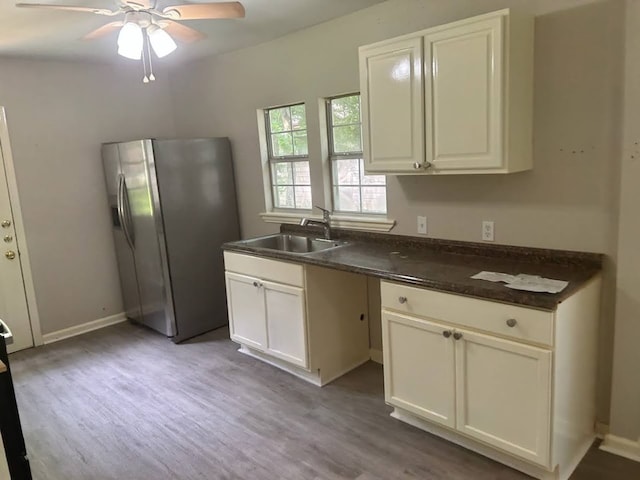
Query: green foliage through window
(288,131)
(353,191)
(288,151)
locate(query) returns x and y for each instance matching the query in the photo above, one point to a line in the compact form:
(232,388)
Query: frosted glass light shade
(161,41)
(130,41)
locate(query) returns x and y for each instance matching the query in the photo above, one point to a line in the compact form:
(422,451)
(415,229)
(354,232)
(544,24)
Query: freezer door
(197,192)
(144,225)
(124,254)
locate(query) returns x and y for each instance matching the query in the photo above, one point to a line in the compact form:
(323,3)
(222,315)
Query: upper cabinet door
(464,85)
(392,93)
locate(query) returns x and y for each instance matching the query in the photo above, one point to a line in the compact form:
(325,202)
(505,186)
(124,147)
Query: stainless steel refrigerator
(173,204)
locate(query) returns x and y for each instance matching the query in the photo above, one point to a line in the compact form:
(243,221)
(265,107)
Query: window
(288,153)
(353,191)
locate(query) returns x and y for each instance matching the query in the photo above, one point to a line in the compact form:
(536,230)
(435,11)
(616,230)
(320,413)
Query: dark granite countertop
(444,265)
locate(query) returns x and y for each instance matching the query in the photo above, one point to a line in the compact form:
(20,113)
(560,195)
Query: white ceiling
(32,33)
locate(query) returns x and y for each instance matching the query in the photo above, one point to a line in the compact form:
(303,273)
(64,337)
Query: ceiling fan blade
(181,32)
(71,8)
(103,30)
(139,4)
(201,11)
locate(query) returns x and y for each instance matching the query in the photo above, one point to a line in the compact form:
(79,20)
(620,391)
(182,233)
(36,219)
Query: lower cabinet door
(504,394)
(286,323)
(419,367)
(245,302)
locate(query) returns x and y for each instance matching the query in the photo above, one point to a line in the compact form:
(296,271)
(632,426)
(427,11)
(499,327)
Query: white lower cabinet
(487,375)
(309,321)
(503,394)
(286,323)
(419,367)
(268,316)
(246,307)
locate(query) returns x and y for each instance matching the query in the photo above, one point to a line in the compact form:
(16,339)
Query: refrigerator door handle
(121,211)
(127,213)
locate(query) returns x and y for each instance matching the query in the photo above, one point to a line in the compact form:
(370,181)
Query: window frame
(333,156)
(274,159)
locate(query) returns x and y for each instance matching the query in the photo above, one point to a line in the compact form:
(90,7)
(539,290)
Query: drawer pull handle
(512,322)
(457,335)
(446,333)
(402,299)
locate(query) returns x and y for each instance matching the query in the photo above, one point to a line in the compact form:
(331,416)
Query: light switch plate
(422,225)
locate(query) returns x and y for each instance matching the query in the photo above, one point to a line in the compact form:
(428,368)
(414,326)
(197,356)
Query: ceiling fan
(145,26)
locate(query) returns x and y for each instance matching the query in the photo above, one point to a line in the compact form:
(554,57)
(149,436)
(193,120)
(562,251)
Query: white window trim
(355,222)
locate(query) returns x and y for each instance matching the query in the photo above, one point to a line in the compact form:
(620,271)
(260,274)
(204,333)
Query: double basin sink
(297,244)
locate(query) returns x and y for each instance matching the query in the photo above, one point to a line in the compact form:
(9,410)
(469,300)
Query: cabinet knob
(6,223)
(420,166)
(402,299)
(446,333)
(257,284)
(457,335)
(512,322)
(10,254)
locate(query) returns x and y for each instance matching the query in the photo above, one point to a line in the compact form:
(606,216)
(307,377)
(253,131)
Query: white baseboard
(621,446)
(376,355)
(83,328)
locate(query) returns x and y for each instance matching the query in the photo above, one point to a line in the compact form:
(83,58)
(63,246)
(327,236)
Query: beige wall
(569,200)
(59,113)
(625,403)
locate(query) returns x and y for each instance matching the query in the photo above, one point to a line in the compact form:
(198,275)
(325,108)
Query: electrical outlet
(487,231)
(422,225)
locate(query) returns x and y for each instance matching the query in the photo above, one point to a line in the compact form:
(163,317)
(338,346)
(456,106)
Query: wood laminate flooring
(126,403)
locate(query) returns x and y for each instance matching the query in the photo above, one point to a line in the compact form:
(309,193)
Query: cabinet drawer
(531,325)
(264,268)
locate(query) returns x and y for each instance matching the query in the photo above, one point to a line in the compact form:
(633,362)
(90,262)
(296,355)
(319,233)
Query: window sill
(369,224)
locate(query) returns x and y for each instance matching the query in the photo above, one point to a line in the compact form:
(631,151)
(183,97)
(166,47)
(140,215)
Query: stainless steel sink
(293,243)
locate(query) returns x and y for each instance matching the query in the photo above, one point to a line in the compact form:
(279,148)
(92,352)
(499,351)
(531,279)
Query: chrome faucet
(325,223)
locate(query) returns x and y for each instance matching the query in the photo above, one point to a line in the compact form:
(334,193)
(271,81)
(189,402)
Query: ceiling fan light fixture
(161,41)
(130,41)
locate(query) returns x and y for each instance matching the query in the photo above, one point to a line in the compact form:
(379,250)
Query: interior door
(144,227)
(504,394)
(245,299)
(464,95)
(286,323)
(13,300)
(419,367)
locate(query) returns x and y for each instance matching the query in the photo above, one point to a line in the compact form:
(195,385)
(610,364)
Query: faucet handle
(325,213)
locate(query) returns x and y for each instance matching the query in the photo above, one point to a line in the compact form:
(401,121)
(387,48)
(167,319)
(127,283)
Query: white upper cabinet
(475,111)
(465,100)
(392,96)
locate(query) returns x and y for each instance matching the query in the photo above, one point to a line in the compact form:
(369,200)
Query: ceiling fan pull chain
(144,58)
(152,77)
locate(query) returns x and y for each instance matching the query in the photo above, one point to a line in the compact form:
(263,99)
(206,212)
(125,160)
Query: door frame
(21,235)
